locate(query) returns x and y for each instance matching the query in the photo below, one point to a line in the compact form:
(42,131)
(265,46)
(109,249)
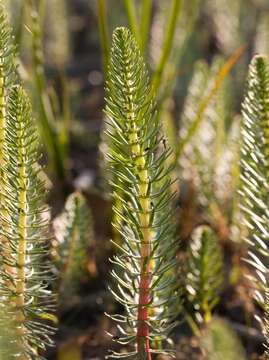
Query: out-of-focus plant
(208,137)
(227,17)
(202,152)
(262,35)
(73,233)
(204,273)
(26,301)
(255,175)
(56,41)
(205,101)
(220,341)
(103,32)
(184,27)
(25,273)
(16,13)
(53,122)
(137,159)
(227,182)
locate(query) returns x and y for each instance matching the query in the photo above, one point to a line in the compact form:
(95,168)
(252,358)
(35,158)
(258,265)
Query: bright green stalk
(25,222)
(145,13)
(167,44)
(46,116)
(103,32)
(255,176)
(132,18)
(146,258)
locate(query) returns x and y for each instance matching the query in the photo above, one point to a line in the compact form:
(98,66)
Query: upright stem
(143,343)
(18,31)
(132,19)
(103,31)
(146,8)
(167,45)
(50,137)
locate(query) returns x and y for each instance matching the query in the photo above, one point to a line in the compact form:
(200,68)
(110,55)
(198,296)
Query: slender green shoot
(103,32)
(46,117)
(145,14)
(132,18)
(167,44)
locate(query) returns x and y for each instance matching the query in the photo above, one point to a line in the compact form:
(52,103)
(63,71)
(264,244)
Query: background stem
(167,45)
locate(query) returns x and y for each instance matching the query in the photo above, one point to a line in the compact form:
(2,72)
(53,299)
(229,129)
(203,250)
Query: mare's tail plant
(73,232)
(147,250)
(255,176)
(205,273)
(25,273)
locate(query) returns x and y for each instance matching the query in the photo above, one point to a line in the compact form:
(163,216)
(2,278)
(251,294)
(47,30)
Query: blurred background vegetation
(198,53)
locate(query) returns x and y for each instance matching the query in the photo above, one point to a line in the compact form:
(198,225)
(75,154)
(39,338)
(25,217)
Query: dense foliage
(134,160)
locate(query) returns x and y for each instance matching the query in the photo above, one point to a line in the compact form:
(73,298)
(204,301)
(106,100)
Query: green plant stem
(167,45)
(66,116)
(146,9)
(103,32)
(143,330)
(44,106)
(18,31)
(195,329)
(132,19)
